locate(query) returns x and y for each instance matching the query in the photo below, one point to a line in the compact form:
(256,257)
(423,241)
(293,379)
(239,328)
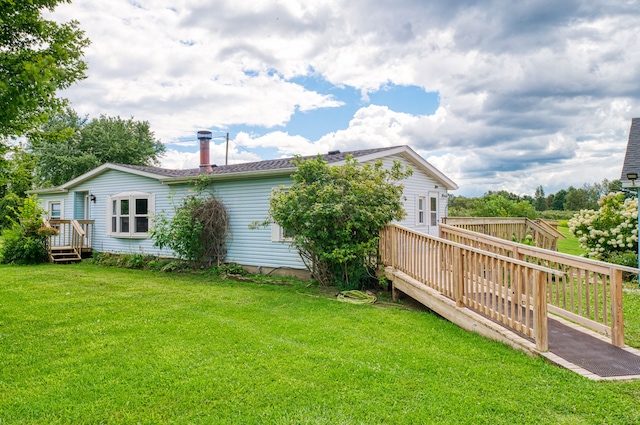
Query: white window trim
(422,223)
(277,234)
(131,197)
(48,208)
(434,195)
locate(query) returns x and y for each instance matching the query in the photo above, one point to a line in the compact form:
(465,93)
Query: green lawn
(569,245)
(90,344)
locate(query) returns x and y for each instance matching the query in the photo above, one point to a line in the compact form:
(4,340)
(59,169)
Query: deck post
(458,276)
(540,324)
(617,316)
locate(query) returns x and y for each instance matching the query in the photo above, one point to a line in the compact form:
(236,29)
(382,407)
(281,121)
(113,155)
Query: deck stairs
(64,254)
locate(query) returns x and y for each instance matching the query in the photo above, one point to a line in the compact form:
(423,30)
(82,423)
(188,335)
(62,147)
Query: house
(121,200)
(631,165)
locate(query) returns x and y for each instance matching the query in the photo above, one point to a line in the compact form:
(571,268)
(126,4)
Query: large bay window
(129,214)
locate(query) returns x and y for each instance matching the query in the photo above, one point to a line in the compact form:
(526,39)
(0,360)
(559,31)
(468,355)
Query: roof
(632,157)
(281,166)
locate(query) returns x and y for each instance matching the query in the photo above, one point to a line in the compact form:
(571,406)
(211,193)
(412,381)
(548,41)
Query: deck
(72,241)
(565,308)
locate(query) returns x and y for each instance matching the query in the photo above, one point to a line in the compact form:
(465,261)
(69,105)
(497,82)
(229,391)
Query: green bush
(334,215)
(610,230)
(197,232)
(25,240)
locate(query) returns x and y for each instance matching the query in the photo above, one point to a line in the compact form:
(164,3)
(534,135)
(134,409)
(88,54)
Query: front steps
(64,255)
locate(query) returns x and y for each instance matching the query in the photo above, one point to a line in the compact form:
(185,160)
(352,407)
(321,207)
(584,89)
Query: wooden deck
(73,240)
(506,291)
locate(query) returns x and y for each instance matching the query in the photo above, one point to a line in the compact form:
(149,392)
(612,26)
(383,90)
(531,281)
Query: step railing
(73,234)
(587,292)
(542,234)
(507,290)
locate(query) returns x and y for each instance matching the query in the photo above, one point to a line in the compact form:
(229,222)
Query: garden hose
(356,297)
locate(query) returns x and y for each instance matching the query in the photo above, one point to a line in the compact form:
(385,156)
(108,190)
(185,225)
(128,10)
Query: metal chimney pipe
(205,164)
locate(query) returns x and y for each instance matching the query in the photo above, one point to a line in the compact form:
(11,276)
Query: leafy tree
(460,206)
(576,199)
(558,200)
(540,203)
(38,57)
(17,179)
(68,145)
(498,205)
(24,241)
(335,213)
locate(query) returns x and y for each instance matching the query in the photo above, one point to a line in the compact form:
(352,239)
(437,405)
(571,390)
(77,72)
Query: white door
(433,214)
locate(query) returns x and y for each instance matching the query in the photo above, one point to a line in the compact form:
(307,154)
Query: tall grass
(90,344)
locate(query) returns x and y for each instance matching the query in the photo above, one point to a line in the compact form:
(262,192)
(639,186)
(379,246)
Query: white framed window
(279,234)
(421,210)
(55,210)
(129,214)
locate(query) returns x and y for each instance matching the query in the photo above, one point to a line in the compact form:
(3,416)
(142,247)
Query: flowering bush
(611,230)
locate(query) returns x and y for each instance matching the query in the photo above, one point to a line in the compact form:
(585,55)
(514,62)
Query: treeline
(560,205)
(66,146)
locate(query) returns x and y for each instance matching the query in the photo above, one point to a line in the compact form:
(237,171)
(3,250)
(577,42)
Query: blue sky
(497,95)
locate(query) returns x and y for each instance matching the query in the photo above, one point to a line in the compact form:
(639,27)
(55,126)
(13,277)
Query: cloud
(531,92)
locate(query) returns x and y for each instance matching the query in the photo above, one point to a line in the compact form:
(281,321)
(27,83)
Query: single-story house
(121,201)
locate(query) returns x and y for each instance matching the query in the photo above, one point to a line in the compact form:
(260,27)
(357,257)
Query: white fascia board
(46,191)
(413,157)
(105,167)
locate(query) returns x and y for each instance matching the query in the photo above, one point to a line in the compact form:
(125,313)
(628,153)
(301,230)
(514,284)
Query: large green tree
(38,57)
(334,214)
(69,145)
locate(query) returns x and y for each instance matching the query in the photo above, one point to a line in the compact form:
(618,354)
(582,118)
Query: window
(279,234)
(420,216)
(55,210)
(130,213)
(434,210)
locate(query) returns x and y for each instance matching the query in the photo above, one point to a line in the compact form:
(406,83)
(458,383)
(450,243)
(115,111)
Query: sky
(498,95)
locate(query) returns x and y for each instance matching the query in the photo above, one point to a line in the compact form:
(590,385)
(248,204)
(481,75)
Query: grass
(569,245)
(91,344)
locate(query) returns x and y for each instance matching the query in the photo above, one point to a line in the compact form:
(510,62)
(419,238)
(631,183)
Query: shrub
(25,239)
(334,215)
(610,231)
(196,233)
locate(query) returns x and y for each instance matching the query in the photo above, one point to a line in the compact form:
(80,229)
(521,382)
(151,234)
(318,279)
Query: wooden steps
(64,254)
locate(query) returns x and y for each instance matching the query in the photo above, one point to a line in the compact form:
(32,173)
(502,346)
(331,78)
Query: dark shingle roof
(632,157)
(271,164)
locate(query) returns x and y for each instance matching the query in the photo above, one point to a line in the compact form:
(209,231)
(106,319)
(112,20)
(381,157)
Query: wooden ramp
(507,293)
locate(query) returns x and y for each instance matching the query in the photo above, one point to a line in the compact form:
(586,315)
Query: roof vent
(334,152)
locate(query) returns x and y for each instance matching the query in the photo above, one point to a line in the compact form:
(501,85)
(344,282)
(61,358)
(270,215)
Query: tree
(558,200)
(38,57)
(334,215)
(540,203)
(497,204)
(68,145)
(17,179)
(576,199)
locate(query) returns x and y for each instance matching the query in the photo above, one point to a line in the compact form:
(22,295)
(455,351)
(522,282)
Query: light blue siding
(246,200)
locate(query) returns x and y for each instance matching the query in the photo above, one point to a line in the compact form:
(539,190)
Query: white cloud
(539,92)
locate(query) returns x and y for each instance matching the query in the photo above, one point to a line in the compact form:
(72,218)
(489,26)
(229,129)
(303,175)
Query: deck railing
(506,289)
(76,234)
(587,292)
(542,234)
